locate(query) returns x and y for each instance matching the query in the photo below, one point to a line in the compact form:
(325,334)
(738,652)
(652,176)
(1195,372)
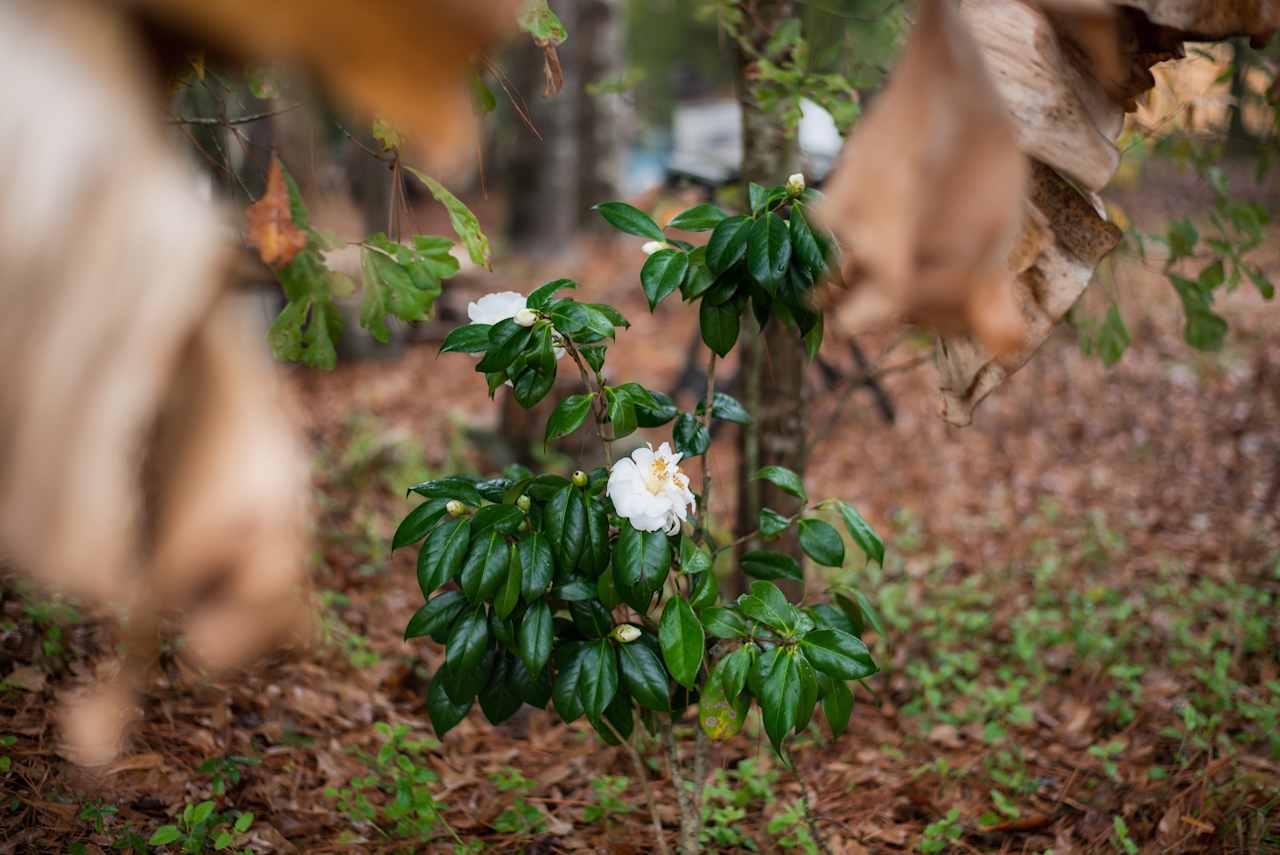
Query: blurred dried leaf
(927,196)
(270,223)
(410,61)
(27,677)
(1212,19)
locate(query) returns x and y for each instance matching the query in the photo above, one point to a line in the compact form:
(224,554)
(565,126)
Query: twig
(809,818)
(598,403)
(374,154)
(643,775)
(687,821)
(704,519)
(219,121)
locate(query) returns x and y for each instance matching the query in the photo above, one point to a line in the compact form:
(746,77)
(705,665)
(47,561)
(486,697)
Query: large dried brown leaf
(271,229)
(927,196)
(408,60)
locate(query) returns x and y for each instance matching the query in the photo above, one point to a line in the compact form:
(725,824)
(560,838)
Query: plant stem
(597,401)
(643,775)
(688,819)
(809,818)
(704,519)
(753,534)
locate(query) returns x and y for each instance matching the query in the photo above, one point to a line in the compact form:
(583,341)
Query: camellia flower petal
(654,246)
(650,491)
(495,307)
(795,184)
(525,317)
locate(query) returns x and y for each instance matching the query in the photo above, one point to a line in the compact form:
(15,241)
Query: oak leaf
(271,228)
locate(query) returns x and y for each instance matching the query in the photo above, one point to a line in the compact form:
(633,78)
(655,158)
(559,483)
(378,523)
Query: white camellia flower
(795,184)
(492,308)
(649,489)
(501,305)
(654,246)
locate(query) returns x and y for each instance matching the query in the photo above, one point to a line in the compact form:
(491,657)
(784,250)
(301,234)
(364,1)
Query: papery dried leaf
(271,229)
(927,196)
(1212,19)
(410,60)
(551,70)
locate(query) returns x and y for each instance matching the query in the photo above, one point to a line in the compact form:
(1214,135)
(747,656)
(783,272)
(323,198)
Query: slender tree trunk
(597,55)
(773,362)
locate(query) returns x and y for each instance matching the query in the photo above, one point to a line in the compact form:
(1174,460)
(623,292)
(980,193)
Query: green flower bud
(455,508)
(580,478)
(625,633)
(524,503)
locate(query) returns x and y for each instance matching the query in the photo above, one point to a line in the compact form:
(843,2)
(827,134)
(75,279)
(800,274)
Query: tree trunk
(775,359)
(597,55)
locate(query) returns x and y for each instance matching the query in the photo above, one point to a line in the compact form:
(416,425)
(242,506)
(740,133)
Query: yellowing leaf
(270,222)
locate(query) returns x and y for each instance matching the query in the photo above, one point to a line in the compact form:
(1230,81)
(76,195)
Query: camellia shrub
(597,591)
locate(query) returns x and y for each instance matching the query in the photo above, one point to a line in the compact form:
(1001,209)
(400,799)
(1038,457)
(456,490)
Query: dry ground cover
(1079,636)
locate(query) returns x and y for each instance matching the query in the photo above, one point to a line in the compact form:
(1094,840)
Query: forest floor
(1079,598)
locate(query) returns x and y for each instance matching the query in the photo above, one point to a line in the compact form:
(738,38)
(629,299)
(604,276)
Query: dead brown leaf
(927,196)
(270,222)
(28,678)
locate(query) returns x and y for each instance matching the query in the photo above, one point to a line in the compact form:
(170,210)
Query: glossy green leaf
(566,525)
(485,566)
(440,558)
(418,522)
(534,637)
(641,561)
(506,340)
(596,547)
(768,249)
(838,654)
(629,219)
(862,533)
(500,697)
(644,676)
(732,670)
(436,618)
(768,605)
(694,559)
(454,487)
(719,326)
(591,617)
(472,338)
(773,523)
(682,639)
(662,274)
(537,565)
(721,622)
(765,564)
(728,244)
(803,244)
(568,416)
(539,297)
(598,678)
(699,218)
(504,518)
(465,654)
(786,480)
(565,692)
(690,435)
(705,592)
(464,222)
(821,542)
(780,699)
(726,408)
(509,594)
(837,705)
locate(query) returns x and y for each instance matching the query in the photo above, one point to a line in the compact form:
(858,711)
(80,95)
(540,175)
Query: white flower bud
(455,508)
(625,633)
(654,246)
(795,184)
(525,317)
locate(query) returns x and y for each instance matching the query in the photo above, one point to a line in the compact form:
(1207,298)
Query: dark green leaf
(436,617)
(721,622)
(485,566)
(418,522)
(506,340)
(662,411)
(644,676)
(821,542)
(757,197)
(683,641)
(803,245)
(535,690)
(827,616)
(837,704)
(764,564)
(509,593)
(540,296)
(768,605)
(533,385)
(699,218)
(544,487)
(694,559)
(862,533)
(691,436)
(705,592)
(464,222)
(534,637)
(568,416)
(595,549)
(728,244)
(808,693)
(622,413)
(565,692)
(591,618)
(500,698)
(618,721)
(641,561)
(838,654)
(576,590)
(629,219)
(773,523)
(726,408)
(440,558)
(465,654)
(454,487)
(598,677)
(768,249)
(662,273)
(504,518)
(537,566)
(786,480)
(473,338)
(1113,337)
(732,670)
(780,698)
(719,326)
(566,525)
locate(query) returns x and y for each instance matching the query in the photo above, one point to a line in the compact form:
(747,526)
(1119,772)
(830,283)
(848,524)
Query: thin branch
(677,782)
(374,154)
(219,121)
(854,383)
(643,775)
(704,519)
(597,400)
(809,817)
